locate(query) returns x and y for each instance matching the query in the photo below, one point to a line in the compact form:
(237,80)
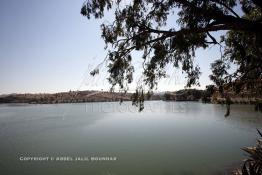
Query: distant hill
(65,97)
(97,96)
(184,95)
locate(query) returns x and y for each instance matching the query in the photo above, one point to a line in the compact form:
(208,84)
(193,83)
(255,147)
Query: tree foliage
(141,25)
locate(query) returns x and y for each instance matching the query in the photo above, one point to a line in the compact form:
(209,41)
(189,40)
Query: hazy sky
(47,46)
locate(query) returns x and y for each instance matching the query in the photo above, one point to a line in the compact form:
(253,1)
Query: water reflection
(166,138)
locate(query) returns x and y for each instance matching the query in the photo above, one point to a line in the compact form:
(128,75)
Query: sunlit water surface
(167,138)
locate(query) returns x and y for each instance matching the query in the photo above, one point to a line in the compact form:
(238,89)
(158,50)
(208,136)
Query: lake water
(167,138)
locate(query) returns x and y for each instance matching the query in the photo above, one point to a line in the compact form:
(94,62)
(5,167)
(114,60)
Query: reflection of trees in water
(241,116)
(244,117)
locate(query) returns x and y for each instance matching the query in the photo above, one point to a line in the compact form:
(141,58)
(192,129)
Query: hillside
(96,96)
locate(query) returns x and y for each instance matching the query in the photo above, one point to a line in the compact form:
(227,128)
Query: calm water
(167,138)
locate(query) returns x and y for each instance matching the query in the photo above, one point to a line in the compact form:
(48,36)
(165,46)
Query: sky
(48,46)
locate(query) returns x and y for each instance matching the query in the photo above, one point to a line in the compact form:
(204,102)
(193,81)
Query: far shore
(106,96)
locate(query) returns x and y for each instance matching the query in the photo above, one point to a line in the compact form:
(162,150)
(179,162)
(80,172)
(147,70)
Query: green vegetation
(142,26)
(253,164)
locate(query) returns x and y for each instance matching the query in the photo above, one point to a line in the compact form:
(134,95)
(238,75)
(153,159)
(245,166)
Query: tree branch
(227,7)
(233,22)
(258,3)
(212,38)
